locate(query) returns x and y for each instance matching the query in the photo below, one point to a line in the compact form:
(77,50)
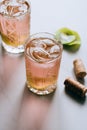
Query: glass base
(11,49)
(48,90)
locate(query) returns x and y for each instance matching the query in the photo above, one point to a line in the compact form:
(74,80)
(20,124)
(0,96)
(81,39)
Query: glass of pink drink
(42,59)
(14,24)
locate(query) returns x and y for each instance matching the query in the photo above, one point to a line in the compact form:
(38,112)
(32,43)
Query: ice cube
(21,1)
(12,10)
(24,7)
(2,8)
(39,54)
(13,7)
(54,51)
(5,2)
(38,43)
(48,42)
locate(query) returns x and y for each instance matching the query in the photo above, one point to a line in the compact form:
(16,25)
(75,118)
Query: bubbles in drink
(43,50)
(13,7)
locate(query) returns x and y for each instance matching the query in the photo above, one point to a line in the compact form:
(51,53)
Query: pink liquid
(14,22)
(42,64)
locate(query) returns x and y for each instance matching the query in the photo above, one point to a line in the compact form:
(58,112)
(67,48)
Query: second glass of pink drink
(42,58)
(14,24)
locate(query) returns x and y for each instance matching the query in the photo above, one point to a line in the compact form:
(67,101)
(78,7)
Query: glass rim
(31,37)
(28,11)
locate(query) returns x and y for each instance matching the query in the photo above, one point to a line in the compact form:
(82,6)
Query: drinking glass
(14,24)
(42,60)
